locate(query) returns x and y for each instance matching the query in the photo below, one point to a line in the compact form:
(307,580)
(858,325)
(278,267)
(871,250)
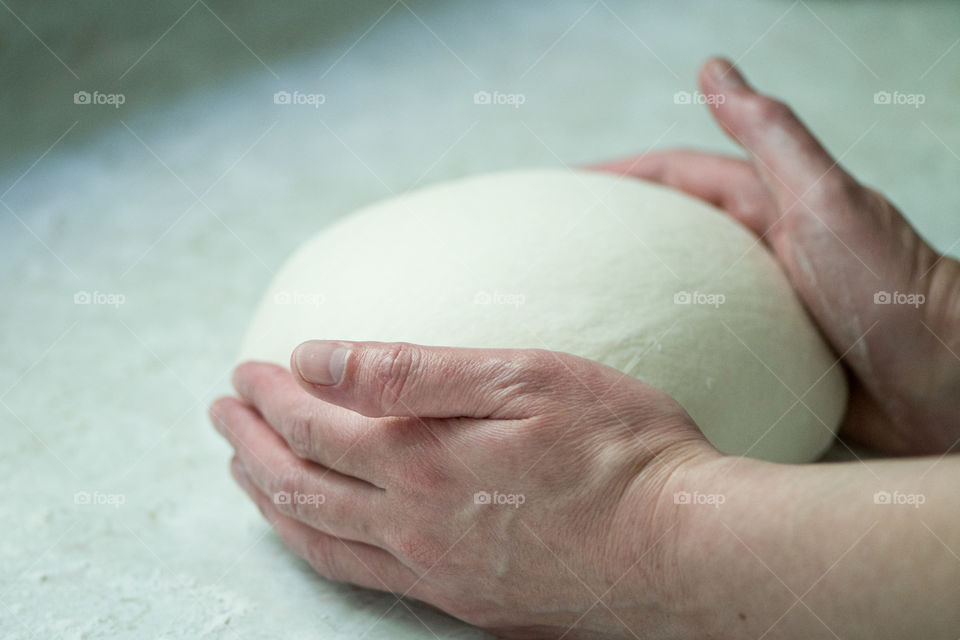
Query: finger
(790,160)
(866,422)
(731,184)
(332,557)
(402,379)
(340,505)
(335,437)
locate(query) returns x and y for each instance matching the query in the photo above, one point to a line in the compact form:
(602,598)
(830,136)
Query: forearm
(808,552)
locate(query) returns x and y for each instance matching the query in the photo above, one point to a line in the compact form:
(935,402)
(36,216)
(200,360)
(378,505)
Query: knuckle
(652,166)
(218,410)
(324,556)
(392,370)
(292,501)
(416,549)
(833,188)
(530,370)
(297,430)
(333,511)
(537,375)
(284,485)
(769,110)
(852,191)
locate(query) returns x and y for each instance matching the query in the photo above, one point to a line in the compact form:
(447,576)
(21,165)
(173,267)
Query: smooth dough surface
(637,276)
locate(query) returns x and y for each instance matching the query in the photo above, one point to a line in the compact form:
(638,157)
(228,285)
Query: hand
(847,250)
(524,491)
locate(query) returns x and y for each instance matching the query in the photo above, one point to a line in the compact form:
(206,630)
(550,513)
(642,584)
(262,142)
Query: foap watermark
(911,299)
(696,97)
(897,98)
(497,98)
(99,298)
(497,297)
(297,98)
(305,298)
(98,498)
(95,97)
(899,498)
(496,498)
(697,498)
(699,298)
(312,499)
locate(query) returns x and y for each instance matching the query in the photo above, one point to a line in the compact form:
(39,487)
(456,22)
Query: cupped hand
(887,302)
(524,491)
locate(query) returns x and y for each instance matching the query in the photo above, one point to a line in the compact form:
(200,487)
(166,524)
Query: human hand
(848,251)
(382,470)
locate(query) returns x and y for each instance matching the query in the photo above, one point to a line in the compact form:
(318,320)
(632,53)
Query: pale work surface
(174,210)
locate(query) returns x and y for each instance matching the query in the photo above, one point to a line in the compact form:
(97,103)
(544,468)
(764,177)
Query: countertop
(136,238)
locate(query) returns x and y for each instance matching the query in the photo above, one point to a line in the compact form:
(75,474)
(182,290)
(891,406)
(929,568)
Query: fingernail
(322,362)
(725,75)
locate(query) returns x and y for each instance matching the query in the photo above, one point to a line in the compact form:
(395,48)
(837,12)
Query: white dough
(586,263)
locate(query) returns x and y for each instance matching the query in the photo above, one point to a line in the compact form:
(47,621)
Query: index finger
(788,157)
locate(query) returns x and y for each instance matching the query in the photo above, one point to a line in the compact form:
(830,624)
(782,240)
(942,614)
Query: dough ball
(637,276)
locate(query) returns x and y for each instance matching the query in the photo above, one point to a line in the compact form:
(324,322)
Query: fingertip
(617,165)
(320,362)
(295,357)
(719,74)
(217,410)
(247,376)
(241,377)
(711,67)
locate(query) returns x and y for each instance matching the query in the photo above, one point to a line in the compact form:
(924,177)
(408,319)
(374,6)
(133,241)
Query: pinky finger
(334,558)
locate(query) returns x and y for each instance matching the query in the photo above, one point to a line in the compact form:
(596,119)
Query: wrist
(799,551)
(649,553)
(719,574)
(921,397)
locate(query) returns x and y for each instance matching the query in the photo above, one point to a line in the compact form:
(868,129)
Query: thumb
(380,379)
